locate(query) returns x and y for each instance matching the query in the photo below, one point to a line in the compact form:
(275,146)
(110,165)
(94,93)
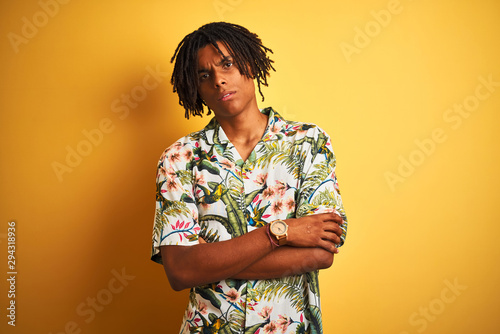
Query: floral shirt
(204,189)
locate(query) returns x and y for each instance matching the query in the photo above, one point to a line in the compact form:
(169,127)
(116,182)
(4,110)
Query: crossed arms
(310,246)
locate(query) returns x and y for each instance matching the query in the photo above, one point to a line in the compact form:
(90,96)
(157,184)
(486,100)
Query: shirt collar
(276,124)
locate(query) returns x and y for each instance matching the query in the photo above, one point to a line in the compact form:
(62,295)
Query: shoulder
(293,129)
(299,131)
(181,151)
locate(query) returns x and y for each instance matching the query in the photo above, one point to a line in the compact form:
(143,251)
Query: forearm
(310,246)
(190,266)
(287,261)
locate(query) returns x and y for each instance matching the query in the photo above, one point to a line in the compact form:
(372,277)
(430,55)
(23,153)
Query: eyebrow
(222,61)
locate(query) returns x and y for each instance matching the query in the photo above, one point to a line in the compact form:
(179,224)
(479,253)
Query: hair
(248,53)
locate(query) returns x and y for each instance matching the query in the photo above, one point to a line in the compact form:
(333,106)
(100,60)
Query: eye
(203,76)
(228,64)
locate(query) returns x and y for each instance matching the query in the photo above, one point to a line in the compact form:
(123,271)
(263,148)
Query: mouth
(226,96)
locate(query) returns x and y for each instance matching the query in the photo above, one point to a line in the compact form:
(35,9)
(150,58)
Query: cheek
(202,92)
(250,87)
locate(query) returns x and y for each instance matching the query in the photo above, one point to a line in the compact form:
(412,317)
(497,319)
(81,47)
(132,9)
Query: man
(248,209)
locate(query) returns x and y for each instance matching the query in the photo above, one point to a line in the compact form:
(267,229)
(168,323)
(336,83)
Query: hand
(321,230)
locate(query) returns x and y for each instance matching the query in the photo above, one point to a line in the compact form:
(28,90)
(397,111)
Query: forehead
(209,55)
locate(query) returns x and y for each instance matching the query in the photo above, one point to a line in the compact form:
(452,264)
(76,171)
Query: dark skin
(311,240)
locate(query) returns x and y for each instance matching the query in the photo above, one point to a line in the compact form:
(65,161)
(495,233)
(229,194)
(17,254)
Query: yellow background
(410,237)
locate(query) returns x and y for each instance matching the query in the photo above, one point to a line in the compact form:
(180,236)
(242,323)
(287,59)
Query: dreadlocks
(249,56)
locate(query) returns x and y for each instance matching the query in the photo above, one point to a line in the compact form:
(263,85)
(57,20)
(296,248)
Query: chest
(235,196)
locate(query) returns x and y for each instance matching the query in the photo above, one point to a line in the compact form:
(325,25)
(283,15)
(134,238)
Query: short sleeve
(176,213)
(319,191)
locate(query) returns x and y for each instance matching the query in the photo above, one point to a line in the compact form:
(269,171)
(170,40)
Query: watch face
(278,227)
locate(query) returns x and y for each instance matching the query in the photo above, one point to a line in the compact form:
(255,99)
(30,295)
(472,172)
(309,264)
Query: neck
(246,128)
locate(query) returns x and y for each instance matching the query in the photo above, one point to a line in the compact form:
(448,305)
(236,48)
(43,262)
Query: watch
(279,229)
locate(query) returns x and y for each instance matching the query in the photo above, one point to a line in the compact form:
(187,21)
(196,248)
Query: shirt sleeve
(319,191)
(176,215)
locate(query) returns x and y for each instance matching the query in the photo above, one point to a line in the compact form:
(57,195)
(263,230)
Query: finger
(201,240)
(332,237)
(333,216)
(329,246)
(332,227)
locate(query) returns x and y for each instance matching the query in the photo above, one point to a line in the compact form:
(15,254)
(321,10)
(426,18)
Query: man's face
(220,84)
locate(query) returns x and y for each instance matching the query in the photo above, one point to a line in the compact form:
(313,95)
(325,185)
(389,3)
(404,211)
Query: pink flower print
(277,207)
(301,130)
(227,164)
(268,193)
(283,322)
(233,295)
(168,172)
(290,204)
(280,188)
(261,179)
(163,155)
(173,148)
(187,154)
(274,129)
(266,312)
(202,307)
(200,179)
(194,213)
(162,171)
(171,184)
(176,146)
(271,328)
(179,225)
(267,137)
(250,305)
(174,157)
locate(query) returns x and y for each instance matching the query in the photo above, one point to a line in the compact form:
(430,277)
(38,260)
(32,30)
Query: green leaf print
(208,295)
(213,195)
(254,328)
(313,281)
(231,228)
(305,209)
(291,288)
(326,198)
(250,197)
(236,224)
(320,172)
(301,329)
(314,317)
(225,329)
(204,164)
(237,320)
(284,153)
(236,284)
(236,189)
(212,317)
(185,176)
(211,235)
(159,223)
(174,209)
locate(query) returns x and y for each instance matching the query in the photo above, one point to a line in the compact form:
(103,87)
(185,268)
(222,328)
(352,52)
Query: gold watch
(279,229)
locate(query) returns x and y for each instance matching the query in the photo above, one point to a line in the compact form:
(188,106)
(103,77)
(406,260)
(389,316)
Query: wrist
(279,230)
(274,243)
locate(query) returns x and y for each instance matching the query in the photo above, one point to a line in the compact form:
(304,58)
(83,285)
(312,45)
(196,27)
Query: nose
(219,79)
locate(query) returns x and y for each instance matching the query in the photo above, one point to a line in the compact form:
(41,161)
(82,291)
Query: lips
(224,96)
